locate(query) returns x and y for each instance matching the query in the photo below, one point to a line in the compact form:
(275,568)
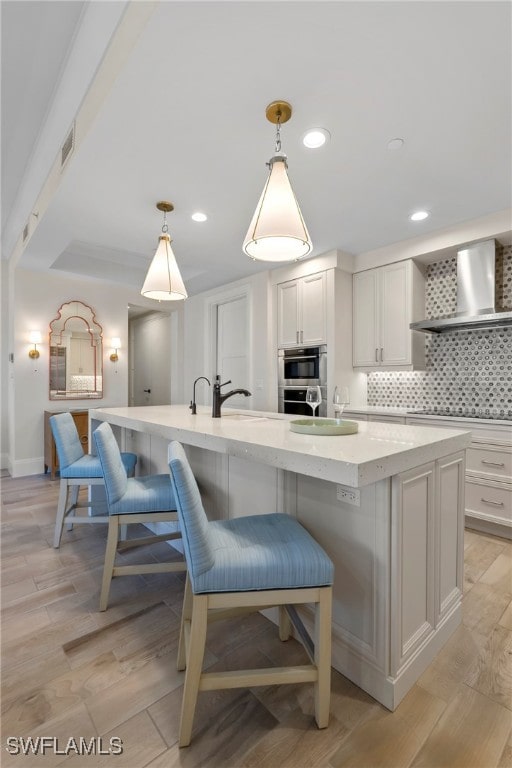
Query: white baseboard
(493,529)
(27,467)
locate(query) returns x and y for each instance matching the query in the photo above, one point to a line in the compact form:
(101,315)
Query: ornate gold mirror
(76,357)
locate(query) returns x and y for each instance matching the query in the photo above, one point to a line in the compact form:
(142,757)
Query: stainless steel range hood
(479,293)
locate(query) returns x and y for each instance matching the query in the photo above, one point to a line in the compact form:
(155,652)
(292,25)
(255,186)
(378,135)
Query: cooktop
(466,413)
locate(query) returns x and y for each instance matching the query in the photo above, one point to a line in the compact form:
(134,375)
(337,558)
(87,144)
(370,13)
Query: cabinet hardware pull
(376,355)
(301,357)
(302,337)
(493,463)
(297,336)
(494,503)
(381,354)
(147,390)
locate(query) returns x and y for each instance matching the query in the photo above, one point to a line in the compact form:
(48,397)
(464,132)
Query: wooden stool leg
(285,626)
(323,657)
(73,500)
(110,556)
(61,512)
(186,615)
(194,666)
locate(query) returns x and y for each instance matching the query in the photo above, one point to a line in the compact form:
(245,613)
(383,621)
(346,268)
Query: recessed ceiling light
(396,144)
(419,215)
(316,137)
(198,216)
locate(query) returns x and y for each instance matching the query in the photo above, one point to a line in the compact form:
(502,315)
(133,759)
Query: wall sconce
(116,343)
(35,339)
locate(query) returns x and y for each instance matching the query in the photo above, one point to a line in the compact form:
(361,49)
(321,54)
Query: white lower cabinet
(412,554)
(427,527)
(398,561)
(488,501)
(488,477)
(488,486)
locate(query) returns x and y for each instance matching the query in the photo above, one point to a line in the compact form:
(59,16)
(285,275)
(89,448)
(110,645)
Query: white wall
(4,364)
(37,297)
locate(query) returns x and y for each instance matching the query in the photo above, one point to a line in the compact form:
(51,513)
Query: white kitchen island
(387,505)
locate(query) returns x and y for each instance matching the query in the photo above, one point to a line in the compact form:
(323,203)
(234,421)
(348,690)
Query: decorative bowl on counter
(324,426)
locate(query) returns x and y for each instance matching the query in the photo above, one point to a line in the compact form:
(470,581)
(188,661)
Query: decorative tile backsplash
(464,369)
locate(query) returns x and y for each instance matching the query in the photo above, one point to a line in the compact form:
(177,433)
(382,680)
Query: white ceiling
(185,121)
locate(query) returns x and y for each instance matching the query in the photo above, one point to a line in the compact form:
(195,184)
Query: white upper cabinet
(301,311)
(385,301)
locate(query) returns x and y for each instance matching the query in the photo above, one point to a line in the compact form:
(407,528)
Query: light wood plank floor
(70,671)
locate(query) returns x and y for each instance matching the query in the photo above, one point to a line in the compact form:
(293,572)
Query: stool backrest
(67,440)
(114,473)
(193,521)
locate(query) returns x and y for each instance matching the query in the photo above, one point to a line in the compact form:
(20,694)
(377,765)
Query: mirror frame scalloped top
(76,353)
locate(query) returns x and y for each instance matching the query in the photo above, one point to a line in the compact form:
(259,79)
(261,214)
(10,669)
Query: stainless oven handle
(301,357)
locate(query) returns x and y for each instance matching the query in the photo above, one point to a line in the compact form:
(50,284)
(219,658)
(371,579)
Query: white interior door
(233,348)
(151,360)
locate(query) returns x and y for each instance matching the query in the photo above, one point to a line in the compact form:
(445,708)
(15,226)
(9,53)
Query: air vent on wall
(68,146)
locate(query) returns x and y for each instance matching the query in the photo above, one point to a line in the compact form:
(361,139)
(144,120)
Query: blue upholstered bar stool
(248,562)
(148,499)
(77,469)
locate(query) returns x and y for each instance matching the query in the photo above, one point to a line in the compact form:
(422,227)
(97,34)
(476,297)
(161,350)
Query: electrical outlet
(348,495)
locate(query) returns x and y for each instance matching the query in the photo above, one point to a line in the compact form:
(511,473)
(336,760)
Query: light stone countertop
(377,451)
(382,410)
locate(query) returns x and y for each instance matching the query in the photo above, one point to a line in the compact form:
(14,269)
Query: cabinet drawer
(490,462)
(489,501)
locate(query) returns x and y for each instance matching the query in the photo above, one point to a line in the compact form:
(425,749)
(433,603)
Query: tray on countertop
(324,426)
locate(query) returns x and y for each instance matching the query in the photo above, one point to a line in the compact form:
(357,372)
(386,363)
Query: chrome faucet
(218,399)
(192,405)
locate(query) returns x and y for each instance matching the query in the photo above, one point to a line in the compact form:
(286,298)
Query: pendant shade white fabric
(163,280)
(277,231)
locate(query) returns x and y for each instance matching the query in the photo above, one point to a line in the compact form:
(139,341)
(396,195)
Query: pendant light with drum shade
(163,280)
(277,231)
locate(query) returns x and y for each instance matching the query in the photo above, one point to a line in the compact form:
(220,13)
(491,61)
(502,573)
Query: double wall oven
(299,369)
